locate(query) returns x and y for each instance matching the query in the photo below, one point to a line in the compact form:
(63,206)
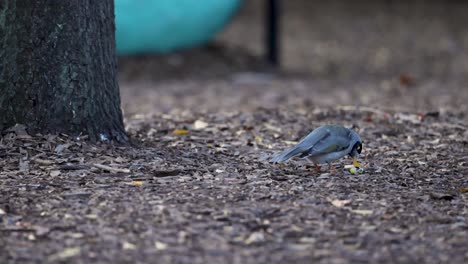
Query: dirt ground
(195,187)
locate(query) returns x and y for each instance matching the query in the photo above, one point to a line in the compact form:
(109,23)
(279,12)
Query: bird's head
(355,152)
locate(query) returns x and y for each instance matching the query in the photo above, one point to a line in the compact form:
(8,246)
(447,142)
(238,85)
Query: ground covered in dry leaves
(195,190)
(195,186)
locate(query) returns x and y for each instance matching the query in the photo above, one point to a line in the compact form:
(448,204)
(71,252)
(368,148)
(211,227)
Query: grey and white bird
(324,145)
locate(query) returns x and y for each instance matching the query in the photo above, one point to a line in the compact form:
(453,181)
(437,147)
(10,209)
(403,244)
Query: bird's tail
(287,154)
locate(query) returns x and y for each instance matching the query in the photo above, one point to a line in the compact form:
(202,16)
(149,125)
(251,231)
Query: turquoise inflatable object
(161,26)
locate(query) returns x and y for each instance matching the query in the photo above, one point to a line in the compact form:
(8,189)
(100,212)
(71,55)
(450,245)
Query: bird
(324,145)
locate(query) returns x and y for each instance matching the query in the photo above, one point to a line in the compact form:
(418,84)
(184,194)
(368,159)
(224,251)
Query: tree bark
(58,68)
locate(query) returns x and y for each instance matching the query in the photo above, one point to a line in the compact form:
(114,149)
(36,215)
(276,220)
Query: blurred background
(400,55)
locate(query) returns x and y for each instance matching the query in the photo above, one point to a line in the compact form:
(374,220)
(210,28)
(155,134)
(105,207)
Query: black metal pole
(272,31)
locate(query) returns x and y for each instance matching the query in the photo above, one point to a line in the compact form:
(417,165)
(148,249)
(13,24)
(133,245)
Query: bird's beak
(355,162)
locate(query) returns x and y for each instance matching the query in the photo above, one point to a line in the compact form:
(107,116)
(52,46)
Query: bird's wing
(313,138)
(303,147)
(328,144)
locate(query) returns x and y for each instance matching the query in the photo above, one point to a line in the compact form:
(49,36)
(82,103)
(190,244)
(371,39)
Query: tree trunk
(58,68)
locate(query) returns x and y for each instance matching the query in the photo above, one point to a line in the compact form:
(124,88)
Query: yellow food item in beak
(356,163)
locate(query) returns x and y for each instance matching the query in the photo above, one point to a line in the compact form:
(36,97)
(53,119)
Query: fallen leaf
(128,246)
(290,142)
(463,190)
(54,173)
(255,237)
(199,125)
(76,235)
(307,240)
(434,142)
(395,230)
(299,247)
(60,148)
(362,212)
(180,132)
(273,128)
(137,182)
(91,216)
(23,165)
(41,230)
(160,245)
(182,237)
(66,253)
(258,139)
(340,203)
(119,160)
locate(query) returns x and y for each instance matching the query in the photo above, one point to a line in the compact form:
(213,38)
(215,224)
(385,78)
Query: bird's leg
(332,168)
(317,167)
